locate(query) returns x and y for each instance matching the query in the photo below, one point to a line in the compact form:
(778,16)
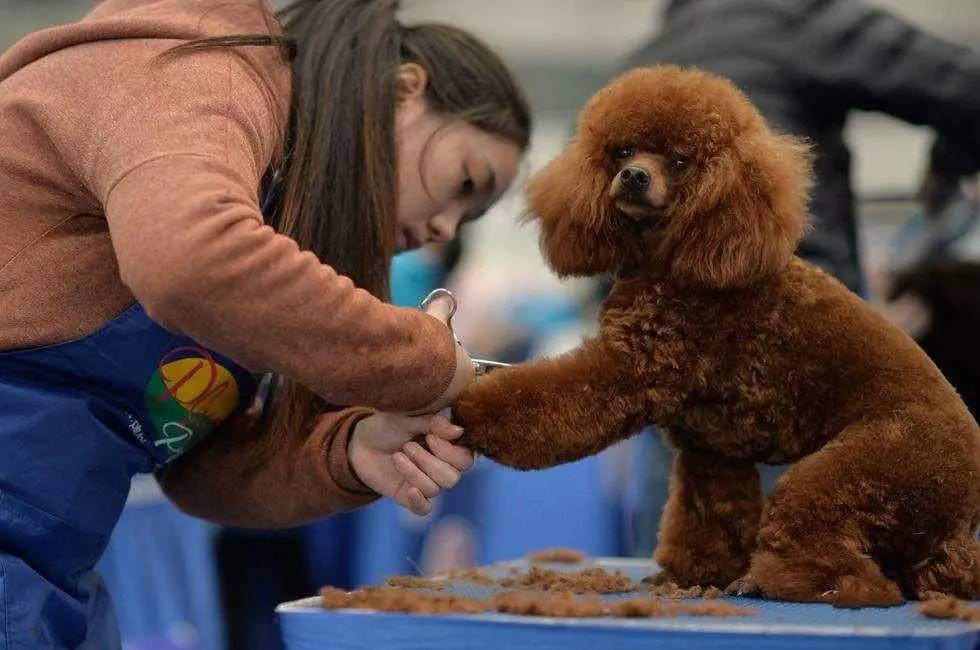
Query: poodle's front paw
(744,586)
(688,567)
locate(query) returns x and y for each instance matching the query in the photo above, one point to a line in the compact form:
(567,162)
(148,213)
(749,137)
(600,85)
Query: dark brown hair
(337,180)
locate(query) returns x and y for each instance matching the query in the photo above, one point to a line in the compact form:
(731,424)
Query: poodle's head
(673,169)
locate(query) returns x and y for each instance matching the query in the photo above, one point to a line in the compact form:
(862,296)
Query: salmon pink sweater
(127,177)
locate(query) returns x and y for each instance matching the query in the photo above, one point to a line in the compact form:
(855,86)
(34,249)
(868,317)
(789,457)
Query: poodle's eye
(623,153)
(680,163)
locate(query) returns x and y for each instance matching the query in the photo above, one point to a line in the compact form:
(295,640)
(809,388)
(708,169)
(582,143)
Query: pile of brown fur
(540,592)
(563,605)
(594,580)
(525,603)
(395,599)
(950,608)
(597,581)
(671,591)
(652,608)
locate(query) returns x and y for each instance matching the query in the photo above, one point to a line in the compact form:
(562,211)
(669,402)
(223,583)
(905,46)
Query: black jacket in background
(806,64)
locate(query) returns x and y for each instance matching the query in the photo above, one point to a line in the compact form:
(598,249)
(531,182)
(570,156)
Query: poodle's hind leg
(814,543)
(832,573)
(952,570)
(709,525)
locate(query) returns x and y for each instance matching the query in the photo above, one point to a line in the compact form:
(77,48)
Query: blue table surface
(306,626)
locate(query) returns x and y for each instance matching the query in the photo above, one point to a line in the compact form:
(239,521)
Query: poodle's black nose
(634,178)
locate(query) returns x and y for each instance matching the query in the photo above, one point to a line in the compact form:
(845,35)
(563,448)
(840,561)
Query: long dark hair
(337,175)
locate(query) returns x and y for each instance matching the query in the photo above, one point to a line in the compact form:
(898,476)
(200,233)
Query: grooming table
(306,626)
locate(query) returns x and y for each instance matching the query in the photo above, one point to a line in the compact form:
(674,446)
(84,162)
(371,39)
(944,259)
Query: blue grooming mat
(306,626)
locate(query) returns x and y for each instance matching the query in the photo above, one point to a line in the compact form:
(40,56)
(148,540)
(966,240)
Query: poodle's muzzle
(639,188)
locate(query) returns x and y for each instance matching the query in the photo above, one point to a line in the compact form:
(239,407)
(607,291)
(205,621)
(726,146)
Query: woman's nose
(442,227)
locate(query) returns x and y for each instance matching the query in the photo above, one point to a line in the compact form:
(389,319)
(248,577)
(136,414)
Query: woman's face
(449,171)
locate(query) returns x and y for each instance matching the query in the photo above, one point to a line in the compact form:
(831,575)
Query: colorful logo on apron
(187,397)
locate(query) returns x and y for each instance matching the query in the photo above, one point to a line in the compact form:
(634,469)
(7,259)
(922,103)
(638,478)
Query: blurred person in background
(949,290)
(147,147)
(934,288)
(807,64)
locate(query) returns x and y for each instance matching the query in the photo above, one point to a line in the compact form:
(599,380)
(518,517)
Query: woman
(142,289)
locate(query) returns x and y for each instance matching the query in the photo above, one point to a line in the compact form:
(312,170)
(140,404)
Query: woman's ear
(411,81)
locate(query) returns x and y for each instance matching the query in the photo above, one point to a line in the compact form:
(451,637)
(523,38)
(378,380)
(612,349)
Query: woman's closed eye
(479,180)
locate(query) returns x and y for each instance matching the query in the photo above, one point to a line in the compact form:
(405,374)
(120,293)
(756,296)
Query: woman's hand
(385,457)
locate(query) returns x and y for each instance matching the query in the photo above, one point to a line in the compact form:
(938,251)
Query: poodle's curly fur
(740,353)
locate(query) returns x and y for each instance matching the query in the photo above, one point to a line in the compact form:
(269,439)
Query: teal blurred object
(413,275)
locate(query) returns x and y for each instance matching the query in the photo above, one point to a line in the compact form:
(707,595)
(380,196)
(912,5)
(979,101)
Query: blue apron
(77,421)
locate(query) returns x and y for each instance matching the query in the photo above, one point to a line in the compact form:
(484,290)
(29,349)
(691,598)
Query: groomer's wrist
(341,448)
(463,374)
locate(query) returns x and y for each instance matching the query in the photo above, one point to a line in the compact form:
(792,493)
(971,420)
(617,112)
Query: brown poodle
(741,353)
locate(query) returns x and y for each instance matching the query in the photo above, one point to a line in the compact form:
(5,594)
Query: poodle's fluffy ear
(568,197)
(743,218)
